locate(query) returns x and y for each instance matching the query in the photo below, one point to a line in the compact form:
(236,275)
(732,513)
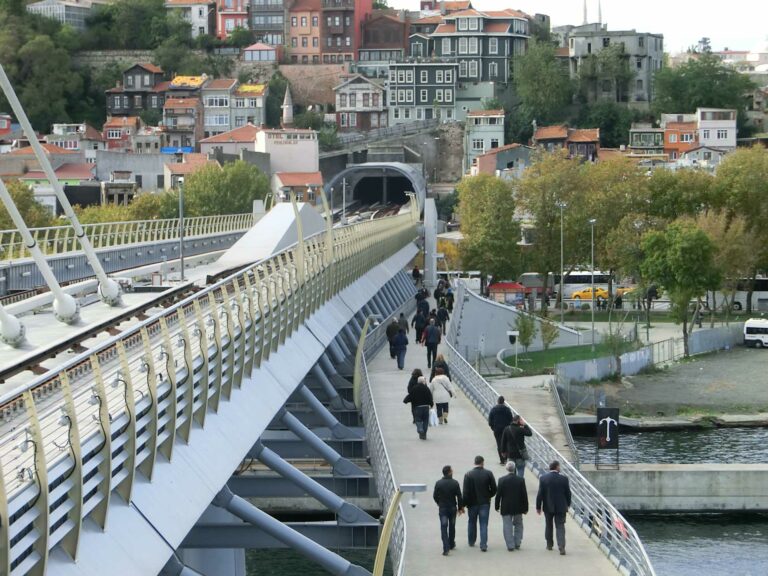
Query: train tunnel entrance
(371,183)
(382,189)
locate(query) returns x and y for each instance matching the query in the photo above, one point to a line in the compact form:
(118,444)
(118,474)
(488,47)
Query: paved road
(466,435)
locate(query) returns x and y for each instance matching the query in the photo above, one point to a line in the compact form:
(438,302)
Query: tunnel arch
(394,178)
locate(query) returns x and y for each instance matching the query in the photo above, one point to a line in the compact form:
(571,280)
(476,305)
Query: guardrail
(388,132)
(590,509)
(56,240)
(575,460)
(77,434)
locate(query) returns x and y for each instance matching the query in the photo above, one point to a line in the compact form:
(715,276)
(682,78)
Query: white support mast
(65,307)
(109,290)
(11,329)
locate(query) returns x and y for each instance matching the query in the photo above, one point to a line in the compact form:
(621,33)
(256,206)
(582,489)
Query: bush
(585,306)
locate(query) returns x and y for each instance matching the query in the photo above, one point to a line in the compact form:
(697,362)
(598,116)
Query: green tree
(274,113)
(542,83)
(742,185)
(328,138)
(309,119)
(607,71)
(703,82)
(35,214)
(487,210)
(550,332)
(682,259)
(446,205)
(525,324)
(680,193)
(240,37)
(228,190)
(613,120)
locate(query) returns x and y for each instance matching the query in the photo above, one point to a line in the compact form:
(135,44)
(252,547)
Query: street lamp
(562,206)
(389,522)
(592,247)
(181,226)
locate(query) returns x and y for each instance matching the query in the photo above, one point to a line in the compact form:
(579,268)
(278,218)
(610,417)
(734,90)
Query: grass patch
(543,361)
(660,316)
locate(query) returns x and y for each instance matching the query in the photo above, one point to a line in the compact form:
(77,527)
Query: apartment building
(360,104)
(422,91)
(183,122)
(201,14)
(142,88)
(217,97)
(483,131)
(231,14)
(341,26)
(304,32)
(268,21)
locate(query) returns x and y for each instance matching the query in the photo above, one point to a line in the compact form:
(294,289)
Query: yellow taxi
(586,294)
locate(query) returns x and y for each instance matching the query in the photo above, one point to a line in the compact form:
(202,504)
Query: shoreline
(701,421)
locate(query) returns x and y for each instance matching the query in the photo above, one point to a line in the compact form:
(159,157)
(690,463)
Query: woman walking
(421,401)
(440,363)
(442,392)
(415,375)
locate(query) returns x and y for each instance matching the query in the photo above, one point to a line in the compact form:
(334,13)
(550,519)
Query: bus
(756,332)
(574,281)
(759,294)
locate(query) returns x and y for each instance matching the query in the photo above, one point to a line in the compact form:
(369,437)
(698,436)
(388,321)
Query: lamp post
(181,226)
(562,206)
(389,523)
(592,249)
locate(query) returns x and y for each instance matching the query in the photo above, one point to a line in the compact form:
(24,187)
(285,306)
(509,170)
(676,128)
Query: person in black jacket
(415,375)
(440,362)
(554,498)
(442,316)
(513,442)
(419,322)
(447,496)
(479,488)
(499,418)
(421,401)
(512,502)
(392,329)
(400,344)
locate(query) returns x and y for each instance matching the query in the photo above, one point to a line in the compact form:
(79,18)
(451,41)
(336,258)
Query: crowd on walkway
(430,402)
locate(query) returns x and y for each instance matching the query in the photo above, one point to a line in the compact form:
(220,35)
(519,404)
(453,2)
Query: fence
(590,509)
(389,132)
(79,433)
(56,240)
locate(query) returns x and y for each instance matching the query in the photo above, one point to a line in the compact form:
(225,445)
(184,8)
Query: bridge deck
(466,435)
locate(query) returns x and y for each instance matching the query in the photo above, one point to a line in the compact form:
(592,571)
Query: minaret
(585,13)
(287,109)
(599,12)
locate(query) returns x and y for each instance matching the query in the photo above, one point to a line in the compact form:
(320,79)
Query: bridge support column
(351,335)
(338,430)
(383,304)
(327,365)
(347,513)
(331,561)
(336,351)
(343,345)
(357,325)
(341,466)
(373,307)
(336,401)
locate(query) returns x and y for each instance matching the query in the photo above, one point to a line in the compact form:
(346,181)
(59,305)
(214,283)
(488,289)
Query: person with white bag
(442,392)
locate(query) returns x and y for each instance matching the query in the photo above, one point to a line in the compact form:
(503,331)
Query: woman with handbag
(442,392)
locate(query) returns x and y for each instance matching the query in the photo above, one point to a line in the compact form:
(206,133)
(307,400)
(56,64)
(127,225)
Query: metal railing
(575,460)
(56,240)
(591,510)
(76,435)
(388,132)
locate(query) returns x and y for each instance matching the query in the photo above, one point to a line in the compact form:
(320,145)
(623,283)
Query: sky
(736,24)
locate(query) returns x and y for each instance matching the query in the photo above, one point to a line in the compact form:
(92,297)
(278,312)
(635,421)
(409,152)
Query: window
(477,145)
(449,76)
(417,50)
(409,96)
(217,120)
(366,100)
(337,20)
(374,99)
(641,41)
(639,85)
(254,102)
(473,45)
(462,23)
(673,138)
(439,77)
(374,120)
(423,96)
(153,101)
(473,69)
(352,100)
(239,121)
(639,63)
(303,21)
(353,118)
(147,80)
(401,76)
(137,102)
(707,155)
(493,46)
(446,46)
(294,21)
(493,69)
(401,95)
(705,134)
(347,20)
(343,117)
(473,24)
(348,41)
(396,113)
(329,21)
(449,113)
(114,134)
(424,76)
(407,113)
(329,41)
(294,42)
(448,95)
(438,95)
(409,76)
(342,100)
(462,45)
(304,42)
(392,75)
(606,42)
(463,69)
(315,42)
(338,40)
(129,81)
(722,134)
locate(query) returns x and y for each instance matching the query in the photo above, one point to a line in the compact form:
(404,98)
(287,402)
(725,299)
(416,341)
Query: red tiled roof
(559,132)
(49,149)
(115,90)
(221,84)
(495,27)
(435,19)
(453,5)
(485,113)
(681,126)
(464,12)
(297,179)
(494,151)
(150,67)
(187,2)
(584,135)
(122,122)
(162,86)
(259,46)
(562,52)
(245,133)
(192,162)
(92,134)
(180,103)
(64,172)
(506,13)
(445,29)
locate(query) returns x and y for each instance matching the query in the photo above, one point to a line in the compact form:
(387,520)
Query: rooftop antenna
(109,290)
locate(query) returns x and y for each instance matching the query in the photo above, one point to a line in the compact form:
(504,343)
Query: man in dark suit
(447,496)
(499,418)
(512,503)
(479,488)
(554,498)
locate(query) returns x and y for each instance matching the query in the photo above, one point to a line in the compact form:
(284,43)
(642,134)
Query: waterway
(705,544)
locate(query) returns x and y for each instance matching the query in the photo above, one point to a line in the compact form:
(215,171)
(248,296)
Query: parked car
(586,294)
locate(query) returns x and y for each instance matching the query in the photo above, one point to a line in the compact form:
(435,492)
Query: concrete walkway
(466,435)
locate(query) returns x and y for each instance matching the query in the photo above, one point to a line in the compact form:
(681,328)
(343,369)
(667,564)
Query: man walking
(402,322)
(499,418)
(392,329)
(421,401)
(479,488)
(513,442)
(554,498)
(442,316)
(400,344)
(419,322)
(432,337)
(512,503)
(447,496)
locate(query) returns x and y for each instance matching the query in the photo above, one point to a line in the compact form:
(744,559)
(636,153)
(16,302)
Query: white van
(756,332)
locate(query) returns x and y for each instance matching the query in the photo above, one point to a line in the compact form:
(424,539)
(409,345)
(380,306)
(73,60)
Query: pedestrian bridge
(121,455)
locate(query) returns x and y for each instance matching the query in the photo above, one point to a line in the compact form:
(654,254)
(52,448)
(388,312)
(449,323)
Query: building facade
(201,15)
(717,128)
(483,131)
(231,14)
(249,105)
(268,21)
(360,105)
(506,162)
(583,143)
(183,122)
(422,91)
(644,139)
(290,150)
(77,137)
(217,96)
(304,32)
(341,26)
(118,132)
(679,137)
(142,88)
(73,13)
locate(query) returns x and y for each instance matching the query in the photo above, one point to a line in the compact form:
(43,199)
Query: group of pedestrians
(510,498)
(424,396)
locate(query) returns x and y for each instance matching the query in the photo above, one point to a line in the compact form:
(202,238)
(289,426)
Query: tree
(487,210)
(550,332)
(328,138)
(703,82)
(680,193)
(228,190)
(542,83)
(240,37)
(451,254)
(525,324)
(274,112)
(742,185)
(34,214)
(309,119)
(446,205)
(613,120)
(682,259)
(609,69)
